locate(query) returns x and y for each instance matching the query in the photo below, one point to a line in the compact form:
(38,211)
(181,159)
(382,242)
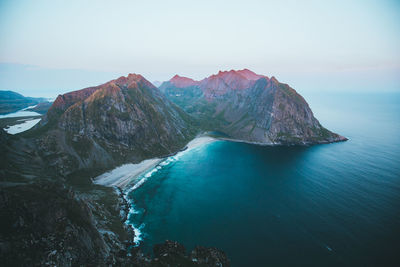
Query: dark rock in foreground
(46,223)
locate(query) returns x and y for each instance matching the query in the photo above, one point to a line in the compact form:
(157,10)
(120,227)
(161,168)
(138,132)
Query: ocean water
(323,205)
(21,113)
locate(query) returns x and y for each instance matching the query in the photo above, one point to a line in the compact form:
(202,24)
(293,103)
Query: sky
(49,47)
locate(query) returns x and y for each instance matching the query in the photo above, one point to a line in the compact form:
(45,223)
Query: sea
(321,205)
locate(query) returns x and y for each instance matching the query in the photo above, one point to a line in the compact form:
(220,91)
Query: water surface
(323,205)
(21,113)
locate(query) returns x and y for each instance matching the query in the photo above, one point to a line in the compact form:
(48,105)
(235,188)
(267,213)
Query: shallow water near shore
(323,205)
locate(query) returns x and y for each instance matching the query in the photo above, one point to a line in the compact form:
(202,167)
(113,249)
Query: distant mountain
(157,83)
(124,120)
(249,107)
(11,101)
(41,108)
(182,82)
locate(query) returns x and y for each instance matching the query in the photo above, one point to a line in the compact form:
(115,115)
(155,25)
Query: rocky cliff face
(46,223)
(250,107)
(126,119)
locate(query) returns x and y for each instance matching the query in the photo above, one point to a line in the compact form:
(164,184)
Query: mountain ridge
(251,107)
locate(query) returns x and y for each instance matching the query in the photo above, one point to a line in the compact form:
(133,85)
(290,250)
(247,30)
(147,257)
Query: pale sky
(50,46)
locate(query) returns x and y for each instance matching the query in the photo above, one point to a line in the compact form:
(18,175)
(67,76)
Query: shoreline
(128,174)
(123,175)
(128,177)
(120,178)
(340,139)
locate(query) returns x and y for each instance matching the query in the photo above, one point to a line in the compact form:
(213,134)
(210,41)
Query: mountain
(249,107)
(11,101)
(41,108)
(182,82)
(157,83)
(124,120)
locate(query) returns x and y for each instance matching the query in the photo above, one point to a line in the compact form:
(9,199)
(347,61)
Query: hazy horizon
(50,47)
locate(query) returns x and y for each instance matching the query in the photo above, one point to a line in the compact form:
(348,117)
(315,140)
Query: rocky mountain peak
(250,75)
(133,80)
(238,74)
(225,81)
(274,79)
(181,82)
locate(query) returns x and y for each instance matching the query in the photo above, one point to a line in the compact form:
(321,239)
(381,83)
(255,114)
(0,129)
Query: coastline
(128,174)
(128,177)
(338,140)
(123,175)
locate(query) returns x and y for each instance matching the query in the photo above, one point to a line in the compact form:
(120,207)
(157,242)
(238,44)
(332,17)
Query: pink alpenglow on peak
(224,81)
(182,82)
(242,74)
(250,75)
(66,100)
(132,80)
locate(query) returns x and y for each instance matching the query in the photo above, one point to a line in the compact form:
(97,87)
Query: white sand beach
(129,173)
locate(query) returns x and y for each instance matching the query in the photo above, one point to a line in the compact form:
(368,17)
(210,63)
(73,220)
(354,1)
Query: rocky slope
(249,107)
(47,221)
(124,120)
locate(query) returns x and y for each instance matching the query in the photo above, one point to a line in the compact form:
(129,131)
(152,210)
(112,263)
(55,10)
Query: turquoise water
(323,205)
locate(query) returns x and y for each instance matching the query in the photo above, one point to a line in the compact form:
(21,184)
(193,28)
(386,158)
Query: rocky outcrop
(45,223)
(251,107)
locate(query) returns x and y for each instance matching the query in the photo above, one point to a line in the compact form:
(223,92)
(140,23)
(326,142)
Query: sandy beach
(127,174)
(123,175)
